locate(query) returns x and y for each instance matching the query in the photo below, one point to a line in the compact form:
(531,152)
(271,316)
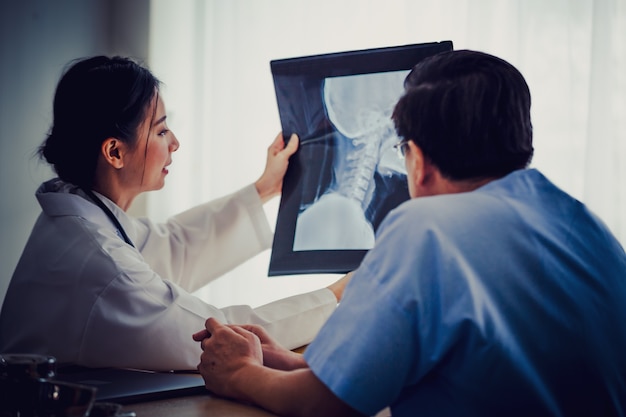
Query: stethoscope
(109,214)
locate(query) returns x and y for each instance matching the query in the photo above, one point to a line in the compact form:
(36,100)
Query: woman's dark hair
(96,98)
(469,112)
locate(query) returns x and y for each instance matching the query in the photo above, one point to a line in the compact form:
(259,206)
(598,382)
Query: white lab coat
(83,295)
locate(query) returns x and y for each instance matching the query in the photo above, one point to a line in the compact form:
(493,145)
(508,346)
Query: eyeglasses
(400,148)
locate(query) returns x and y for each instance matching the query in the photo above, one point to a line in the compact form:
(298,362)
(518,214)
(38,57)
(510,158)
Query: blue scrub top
(507,300)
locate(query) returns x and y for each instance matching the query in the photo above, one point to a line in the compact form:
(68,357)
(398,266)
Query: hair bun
(51,150)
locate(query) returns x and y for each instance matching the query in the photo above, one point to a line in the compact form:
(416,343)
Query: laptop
(126,386)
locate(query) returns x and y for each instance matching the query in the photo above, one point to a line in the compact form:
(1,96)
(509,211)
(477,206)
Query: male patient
(490,293)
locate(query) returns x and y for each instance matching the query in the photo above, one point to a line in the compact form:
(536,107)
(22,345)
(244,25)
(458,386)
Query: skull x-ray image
(365,170)
(345,176)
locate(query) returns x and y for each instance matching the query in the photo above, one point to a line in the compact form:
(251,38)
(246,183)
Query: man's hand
(274,355)
(228,350)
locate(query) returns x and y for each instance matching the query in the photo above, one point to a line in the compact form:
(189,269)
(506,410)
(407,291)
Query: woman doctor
(99,288)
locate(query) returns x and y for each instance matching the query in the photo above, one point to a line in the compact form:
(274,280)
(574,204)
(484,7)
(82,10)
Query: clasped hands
(230,349)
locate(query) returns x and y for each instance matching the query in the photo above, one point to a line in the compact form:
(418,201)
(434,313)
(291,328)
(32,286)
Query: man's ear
(416,164)
(113,151)
(425,177)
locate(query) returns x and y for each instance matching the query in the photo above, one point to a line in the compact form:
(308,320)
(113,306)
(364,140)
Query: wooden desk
(195,406)
(204,406)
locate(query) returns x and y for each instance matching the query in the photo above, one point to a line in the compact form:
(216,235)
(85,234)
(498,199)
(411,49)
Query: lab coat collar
(59,198)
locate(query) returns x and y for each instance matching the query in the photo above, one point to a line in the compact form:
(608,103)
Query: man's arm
(232,366)
(296,393)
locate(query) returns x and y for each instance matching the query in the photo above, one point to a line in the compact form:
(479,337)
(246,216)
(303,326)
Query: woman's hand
(337,287)
(271,182)
(274,355)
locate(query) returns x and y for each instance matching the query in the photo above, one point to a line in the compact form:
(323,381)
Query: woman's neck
(123,199)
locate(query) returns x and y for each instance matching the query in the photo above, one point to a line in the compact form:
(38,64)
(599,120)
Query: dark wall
(37,39)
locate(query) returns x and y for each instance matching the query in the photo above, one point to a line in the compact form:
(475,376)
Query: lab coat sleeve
(201,244)
(292,321)
(144,322)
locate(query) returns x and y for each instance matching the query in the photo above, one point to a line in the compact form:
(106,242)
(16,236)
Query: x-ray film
(346,175)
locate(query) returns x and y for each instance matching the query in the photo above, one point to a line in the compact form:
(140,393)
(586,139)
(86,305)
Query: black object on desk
(126,386)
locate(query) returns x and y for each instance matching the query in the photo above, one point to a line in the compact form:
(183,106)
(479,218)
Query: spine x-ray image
(360,177)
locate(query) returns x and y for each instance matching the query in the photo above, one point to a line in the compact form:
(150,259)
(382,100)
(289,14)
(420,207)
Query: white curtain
(213,57)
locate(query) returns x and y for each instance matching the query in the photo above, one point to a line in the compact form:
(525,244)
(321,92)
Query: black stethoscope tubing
(110,215)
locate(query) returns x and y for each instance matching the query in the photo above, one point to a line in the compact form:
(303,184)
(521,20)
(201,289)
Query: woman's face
(153,153)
